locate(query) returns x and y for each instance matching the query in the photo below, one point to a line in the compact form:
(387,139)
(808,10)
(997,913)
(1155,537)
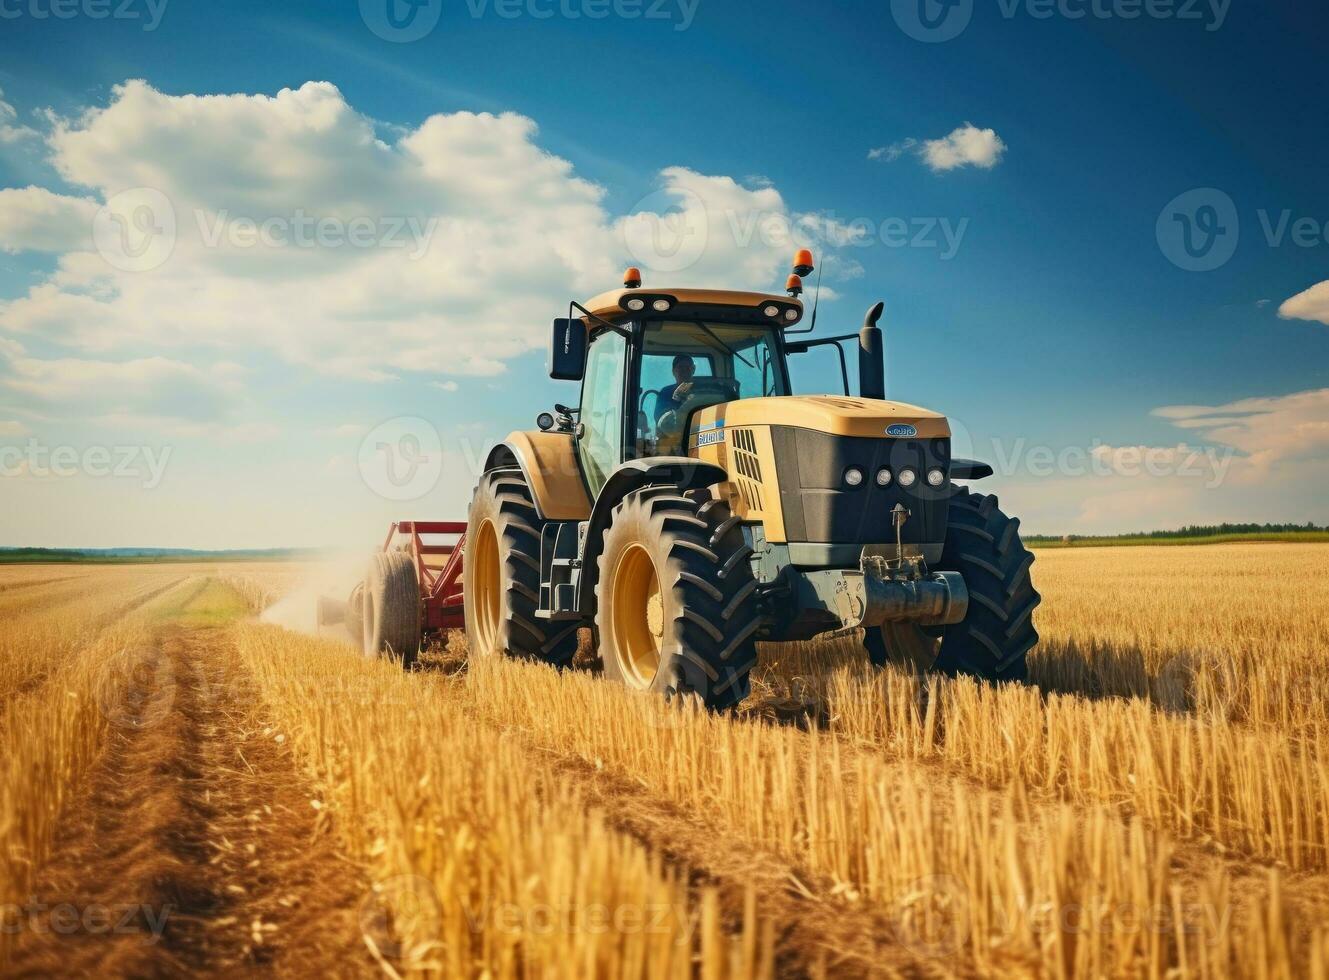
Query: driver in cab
(674,395)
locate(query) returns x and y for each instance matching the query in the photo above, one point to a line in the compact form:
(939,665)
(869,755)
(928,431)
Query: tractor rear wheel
(677,612)
(391,622)
(501,576)
(997,633)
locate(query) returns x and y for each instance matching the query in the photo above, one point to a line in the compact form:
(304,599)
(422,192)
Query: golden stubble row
(487,860)
(1000,883)
(1229,632)
(80,679)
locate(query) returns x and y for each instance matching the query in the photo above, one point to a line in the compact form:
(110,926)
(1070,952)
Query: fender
(684,472)
(969,469)
(548,461)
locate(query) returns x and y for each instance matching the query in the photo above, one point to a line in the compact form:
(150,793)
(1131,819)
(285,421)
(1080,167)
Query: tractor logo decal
(711,437)
(901,430)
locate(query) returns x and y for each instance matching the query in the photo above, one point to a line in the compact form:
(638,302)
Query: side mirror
(567,351)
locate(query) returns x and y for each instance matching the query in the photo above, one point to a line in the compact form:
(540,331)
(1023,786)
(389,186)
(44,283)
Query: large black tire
(391,625)
(501,576)
(997,633)
(701,611)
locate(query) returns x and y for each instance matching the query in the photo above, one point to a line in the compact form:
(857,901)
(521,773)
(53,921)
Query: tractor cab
(653,359)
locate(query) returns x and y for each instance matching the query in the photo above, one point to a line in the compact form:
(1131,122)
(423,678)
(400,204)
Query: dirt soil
(193,846)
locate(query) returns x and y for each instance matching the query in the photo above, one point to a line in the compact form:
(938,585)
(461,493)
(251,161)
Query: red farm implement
(411,591)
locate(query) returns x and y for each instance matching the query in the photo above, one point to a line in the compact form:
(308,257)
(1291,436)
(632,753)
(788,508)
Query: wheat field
(189,789)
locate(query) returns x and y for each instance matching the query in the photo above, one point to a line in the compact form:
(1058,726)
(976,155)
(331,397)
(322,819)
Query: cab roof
(718,304)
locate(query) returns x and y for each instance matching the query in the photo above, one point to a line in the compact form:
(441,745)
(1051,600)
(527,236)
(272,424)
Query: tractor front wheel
(997,633)
(677,611)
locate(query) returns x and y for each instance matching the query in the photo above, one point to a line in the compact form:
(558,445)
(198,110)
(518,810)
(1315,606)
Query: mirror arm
(574,305)
(803,346)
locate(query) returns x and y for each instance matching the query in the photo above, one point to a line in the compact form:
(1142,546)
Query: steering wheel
(704,393)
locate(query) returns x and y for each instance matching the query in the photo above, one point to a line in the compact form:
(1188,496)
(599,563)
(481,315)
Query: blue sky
(1054,143)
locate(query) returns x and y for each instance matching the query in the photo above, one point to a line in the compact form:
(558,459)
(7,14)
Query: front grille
(819,508)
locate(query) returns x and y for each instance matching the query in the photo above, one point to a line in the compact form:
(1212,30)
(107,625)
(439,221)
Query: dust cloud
(333,579)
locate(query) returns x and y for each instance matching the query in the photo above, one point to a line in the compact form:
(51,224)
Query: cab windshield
(687,365)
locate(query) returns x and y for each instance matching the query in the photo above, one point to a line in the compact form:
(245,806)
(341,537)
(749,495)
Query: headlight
(791,315)
(853,476)
(908,478)
(661,305)
(884,477)
(636,304)
(772,311)
(936,477)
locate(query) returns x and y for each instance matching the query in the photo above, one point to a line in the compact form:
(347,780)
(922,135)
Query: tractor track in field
(103,622)
(8,588)
(192,846)
(818,930)
(816,933)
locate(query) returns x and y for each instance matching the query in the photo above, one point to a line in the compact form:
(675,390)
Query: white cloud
(152,388)
(34,219)
(445,385)
(506,234)
(347,430)
(1266,431)
(9,132)
(1262,459)
(967,146)
(11,428)
(1313,304)
(893,152)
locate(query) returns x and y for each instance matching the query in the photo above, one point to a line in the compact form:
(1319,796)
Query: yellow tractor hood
(834,414)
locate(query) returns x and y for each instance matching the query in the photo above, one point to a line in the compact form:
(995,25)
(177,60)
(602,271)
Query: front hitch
(883,590)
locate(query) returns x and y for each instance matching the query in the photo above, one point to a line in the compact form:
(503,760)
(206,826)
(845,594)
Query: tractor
(690,505)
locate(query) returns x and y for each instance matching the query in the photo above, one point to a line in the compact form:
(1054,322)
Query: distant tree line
(1193,531)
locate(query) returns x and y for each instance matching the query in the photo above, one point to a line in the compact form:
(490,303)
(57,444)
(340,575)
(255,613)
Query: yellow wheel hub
(486,603)
(636,616)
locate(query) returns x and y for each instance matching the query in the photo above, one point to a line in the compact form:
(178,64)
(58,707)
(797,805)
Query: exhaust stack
(872,356)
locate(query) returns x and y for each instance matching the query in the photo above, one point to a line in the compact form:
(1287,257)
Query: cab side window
(600,447)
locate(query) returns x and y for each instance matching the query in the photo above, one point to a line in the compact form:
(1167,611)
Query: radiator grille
(747,468)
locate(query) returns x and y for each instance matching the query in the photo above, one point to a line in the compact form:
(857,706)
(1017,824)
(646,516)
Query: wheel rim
(637,616)
(907,644)
(486,603)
